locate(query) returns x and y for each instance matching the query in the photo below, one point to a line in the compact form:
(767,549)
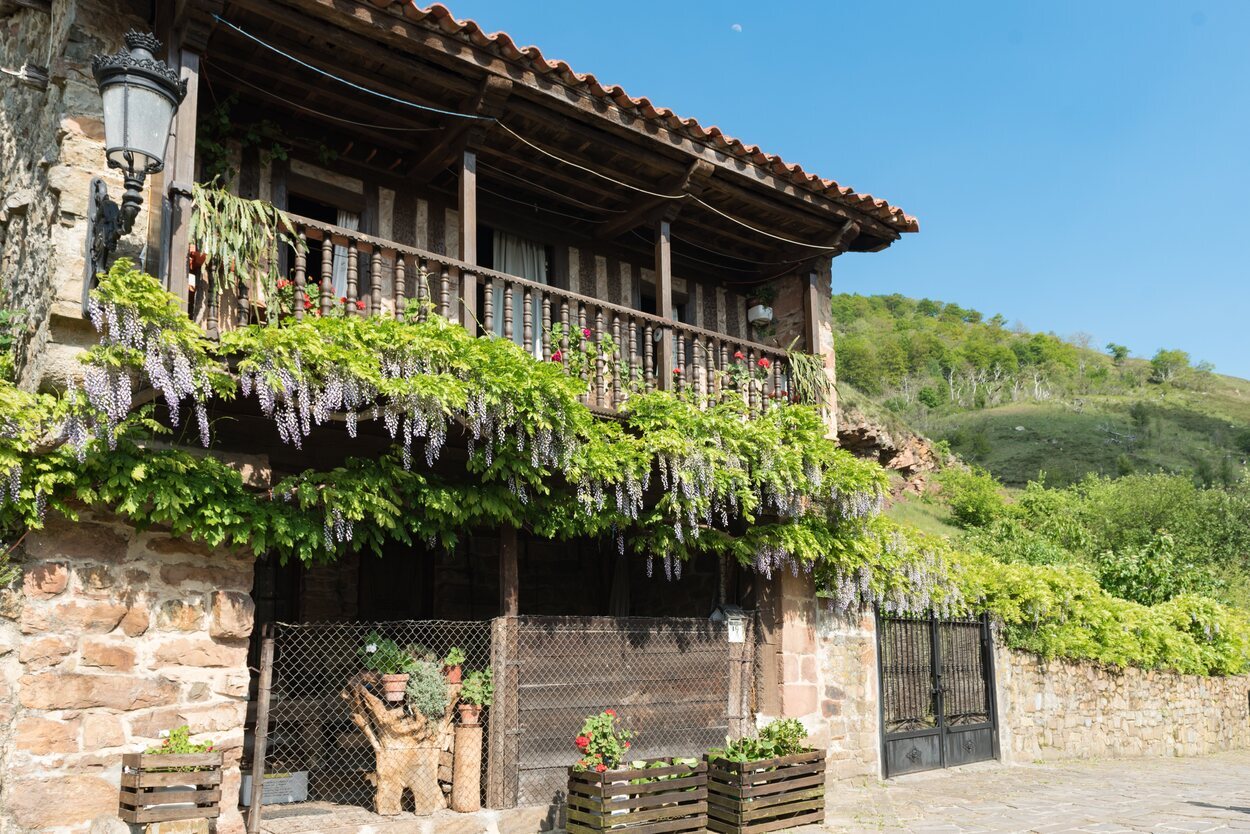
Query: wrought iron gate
(937,693)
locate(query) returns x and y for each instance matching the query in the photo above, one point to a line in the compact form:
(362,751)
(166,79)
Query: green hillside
(1022,404)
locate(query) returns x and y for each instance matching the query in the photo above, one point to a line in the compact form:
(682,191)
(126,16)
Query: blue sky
(1076,166)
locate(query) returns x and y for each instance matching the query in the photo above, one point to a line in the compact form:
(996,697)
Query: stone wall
(51,145)
(1058,709)
(829,679)
(110,637)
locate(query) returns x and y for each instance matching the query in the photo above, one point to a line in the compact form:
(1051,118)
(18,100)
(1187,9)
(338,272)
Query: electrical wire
(492,119)
(537,207)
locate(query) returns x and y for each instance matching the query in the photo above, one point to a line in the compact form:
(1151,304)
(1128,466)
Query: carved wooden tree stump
(406,747)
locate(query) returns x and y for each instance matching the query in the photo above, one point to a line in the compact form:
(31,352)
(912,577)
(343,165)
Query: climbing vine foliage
(673,477)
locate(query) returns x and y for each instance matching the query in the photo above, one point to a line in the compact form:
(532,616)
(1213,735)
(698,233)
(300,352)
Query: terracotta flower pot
(452,673)
(470,714)
(394,686)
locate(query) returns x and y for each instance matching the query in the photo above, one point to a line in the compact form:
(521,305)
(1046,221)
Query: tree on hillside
(1118,353)
(1168,364)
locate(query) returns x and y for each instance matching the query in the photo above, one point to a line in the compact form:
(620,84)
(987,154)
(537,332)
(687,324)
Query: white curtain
(524,259)
(348,220)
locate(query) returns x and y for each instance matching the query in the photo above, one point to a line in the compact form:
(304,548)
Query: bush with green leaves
(455,657)
(427,689)
(972,494)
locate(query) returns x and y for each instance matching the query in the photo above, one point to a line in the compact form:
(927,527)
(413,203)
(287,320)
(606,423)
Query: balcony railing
(384,277)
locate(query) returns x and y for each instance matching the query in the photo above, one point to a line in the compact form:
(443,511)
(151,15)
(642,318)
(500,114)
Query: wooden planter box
(766,795)
(151,793)
(611,801)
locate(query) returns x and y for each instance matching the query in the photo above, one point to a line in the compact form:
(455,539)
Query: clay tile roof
(439,17)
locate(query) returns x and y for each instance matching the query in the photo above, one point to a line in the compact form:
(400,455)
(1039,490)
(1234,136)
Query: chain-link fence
(342,738)
(682,685)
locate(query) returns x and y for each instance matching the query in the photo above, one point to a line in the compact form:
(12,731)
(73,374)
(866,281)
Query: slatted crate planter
(766,795)
(152,792)
(638,800)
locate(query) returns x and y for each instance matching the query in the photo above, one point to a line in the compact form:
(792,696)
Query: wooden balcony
(648,352)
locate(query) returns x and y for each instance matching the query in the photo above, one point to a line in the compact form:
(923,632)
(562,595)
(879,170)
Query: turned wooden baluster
(724,368)
(327,273)
(648,357)
(633,355)
(507,310)
(527,320)
(601,380)
(581,328)
(375,282)
(444,293)
(616,360)
(564,332)
(422,279)
(400,288)
(488,307)
(353,276)
(696,360)
(546,326)
(301,266)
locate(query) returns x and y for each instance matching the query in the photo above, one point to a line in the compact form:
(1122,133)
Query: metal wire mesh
(680,684)
(316,674)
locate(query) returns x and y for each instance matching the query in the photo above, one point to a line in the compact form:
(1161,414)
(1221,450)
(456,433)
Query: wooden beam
(468,238)
(490,100)
(509,582)
(647,209)
(181,175)
(664,301)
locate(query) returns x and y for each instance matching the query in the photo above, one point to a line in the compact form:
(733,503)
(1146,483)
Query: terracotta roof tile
(438,16)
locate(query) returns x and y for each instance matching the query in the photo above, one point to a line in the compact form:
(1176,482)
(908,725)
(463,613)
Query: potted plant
(604,794)
(452,663)
(478,691)
(426,690)
(385,658)
(177,779)
(767,782)
(760,304)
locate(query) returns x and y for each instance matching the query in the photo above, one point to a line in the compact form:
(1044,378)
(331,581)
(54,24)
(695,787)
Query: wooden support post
(468,238)
(260,734)
(509,591)
(768,645)
(181,174)
(811,314)
(664,302)
(503,732)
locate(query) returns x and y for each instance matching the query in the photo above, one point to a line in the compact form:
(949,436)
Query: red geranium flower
(586,332)
(307,303)
(627,745)
(342,299)
(764,363)
(360,305)
(283,283)
(739,355)
(676,371)
(557,357)
(601,767)
(610,712)
(582,742)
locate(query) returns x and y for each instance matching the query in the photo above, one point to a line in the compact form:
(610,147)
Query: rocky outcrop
(911,456)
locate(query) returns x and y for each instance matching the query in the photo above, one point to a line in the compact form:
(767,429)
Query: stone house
(591,205)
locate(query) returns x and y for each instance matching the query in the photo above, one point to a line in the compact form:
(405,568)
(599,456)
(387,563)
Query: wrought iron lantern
(140,95)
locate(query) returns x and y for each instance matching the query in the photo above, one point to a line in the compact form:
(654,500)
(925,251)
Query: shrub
(427,689)
(973,496)
(478,688)
(384,656)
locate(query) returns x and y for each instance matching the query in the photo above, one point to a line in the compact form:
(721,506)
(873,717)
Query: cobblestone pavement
(1126,796)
